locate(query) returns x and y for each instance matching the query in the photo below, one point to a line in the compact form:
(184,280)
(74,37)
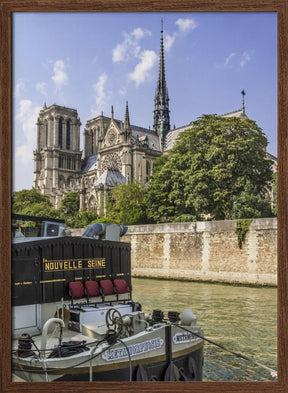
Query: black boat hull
(184,368)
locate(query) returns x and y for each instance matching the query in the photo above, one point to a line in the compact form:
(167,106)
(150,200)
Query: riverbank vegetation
(32,203)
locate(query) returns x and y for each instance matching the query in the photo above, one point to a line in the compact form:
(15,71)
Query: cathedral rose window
(112,137)
(112,161)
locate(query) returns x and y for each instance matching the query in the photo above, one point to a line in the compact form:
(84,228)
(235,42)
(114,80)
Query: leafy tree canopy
(127,204)
(217,168)
(70,203)
(69,208)
(33,203)
(275,187)
(23,198)
(81,219)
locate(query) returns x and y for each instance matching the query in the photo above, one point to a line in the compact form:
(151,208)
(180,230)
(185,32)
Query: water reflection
(243,319)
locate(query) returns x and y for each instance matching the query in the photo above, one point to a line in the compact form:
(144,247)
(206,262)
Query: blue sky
(90,61)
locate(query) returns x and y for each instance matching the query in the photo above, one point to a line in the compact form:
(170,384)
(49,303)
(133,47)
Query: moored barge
(74,317)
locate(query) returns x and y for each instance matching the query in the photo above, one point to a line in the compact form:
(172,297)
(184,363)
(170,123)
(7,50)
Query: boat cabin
(71,276)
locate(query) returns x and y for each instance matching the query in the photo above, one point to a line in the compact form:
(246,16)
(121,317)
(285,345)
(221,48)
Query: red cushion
(107,287)
(92,288)
(76,289)
(120,285)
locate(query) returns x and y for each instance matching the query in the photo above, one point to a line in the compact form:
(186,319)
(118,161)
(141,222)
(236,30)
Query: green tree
(31,202)
(127,204)
(162,191)
(250,204)
(275,193)
(69,208)
(70,204)
(216,168)
(81,219)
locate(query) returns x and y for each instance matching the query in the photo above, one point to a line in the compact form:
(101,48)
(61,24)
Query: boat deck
(53,338)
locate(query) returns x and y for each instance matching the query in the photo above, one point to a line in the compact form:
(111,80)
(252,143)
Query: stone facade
(205,251)
(115,152)
(57,158)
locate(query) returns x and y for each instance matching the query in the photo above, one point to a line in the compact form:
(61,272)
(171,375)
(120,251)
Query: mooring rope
(240,355)
(129,356)
(53,370)
(56,370)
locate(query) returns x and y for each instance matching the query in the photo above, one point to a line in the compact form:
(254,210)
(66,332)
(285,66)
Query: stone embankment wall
(205,251)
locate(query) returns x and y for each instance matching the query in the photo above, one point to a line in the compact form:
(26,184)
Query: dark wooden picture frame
(7,7)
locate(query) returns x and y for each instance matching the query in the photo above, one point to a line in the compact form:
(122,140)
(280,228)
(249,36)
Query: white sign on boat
(134,349)
(181,338)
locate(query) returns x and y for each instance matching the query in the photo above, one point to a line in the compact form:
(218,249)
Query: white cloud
(245,58)
(142,70)
(24,153)
(119,53)
(41,87)
(229,57)
(235,60)
(26,118)
(139,33)
(19,88)
(186,25)
(99,88)
(102,97)
(60,77)
(169,41)
(122,91)
(129,47)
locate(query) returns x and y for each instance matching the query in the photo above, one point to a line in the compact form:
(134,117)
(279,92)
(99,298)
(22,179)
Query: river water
(242,319)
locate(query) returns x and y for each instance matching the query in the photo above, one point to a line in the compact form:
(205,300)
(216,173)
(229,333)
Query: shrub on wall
(242,227)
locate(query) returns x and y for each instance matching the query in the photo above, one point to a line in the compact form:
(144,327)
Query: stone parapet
(205,251)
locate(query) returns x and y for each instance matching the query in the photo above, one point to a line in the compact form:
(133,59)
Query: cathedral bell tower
(57,158)
(161,101)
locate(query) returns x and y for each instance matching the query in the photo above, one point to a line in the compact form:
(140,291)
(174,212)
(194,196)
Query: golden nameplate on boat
(74,264)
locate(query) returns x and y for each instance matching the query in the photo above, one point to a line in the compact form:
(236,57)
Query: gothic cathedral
(114,151)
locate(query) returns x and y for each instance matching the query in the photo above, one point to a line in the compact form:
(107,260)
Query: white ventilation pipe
(45,332)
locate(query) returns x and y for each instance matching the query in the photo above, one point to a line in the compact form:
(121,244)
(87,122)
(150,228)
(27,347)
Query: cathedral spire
(127,119)
(127,127)
(161,101)
(243,102)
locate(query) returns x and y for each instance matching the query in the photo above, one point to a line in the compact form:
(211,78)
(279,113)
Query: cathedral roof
(89,163)
(173,134)
(238,113)
(272,157)
(110,178)
(146,137)
(142,129)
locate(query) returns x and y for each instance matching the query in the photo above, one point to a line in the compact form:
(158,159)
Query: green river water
(242,319)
